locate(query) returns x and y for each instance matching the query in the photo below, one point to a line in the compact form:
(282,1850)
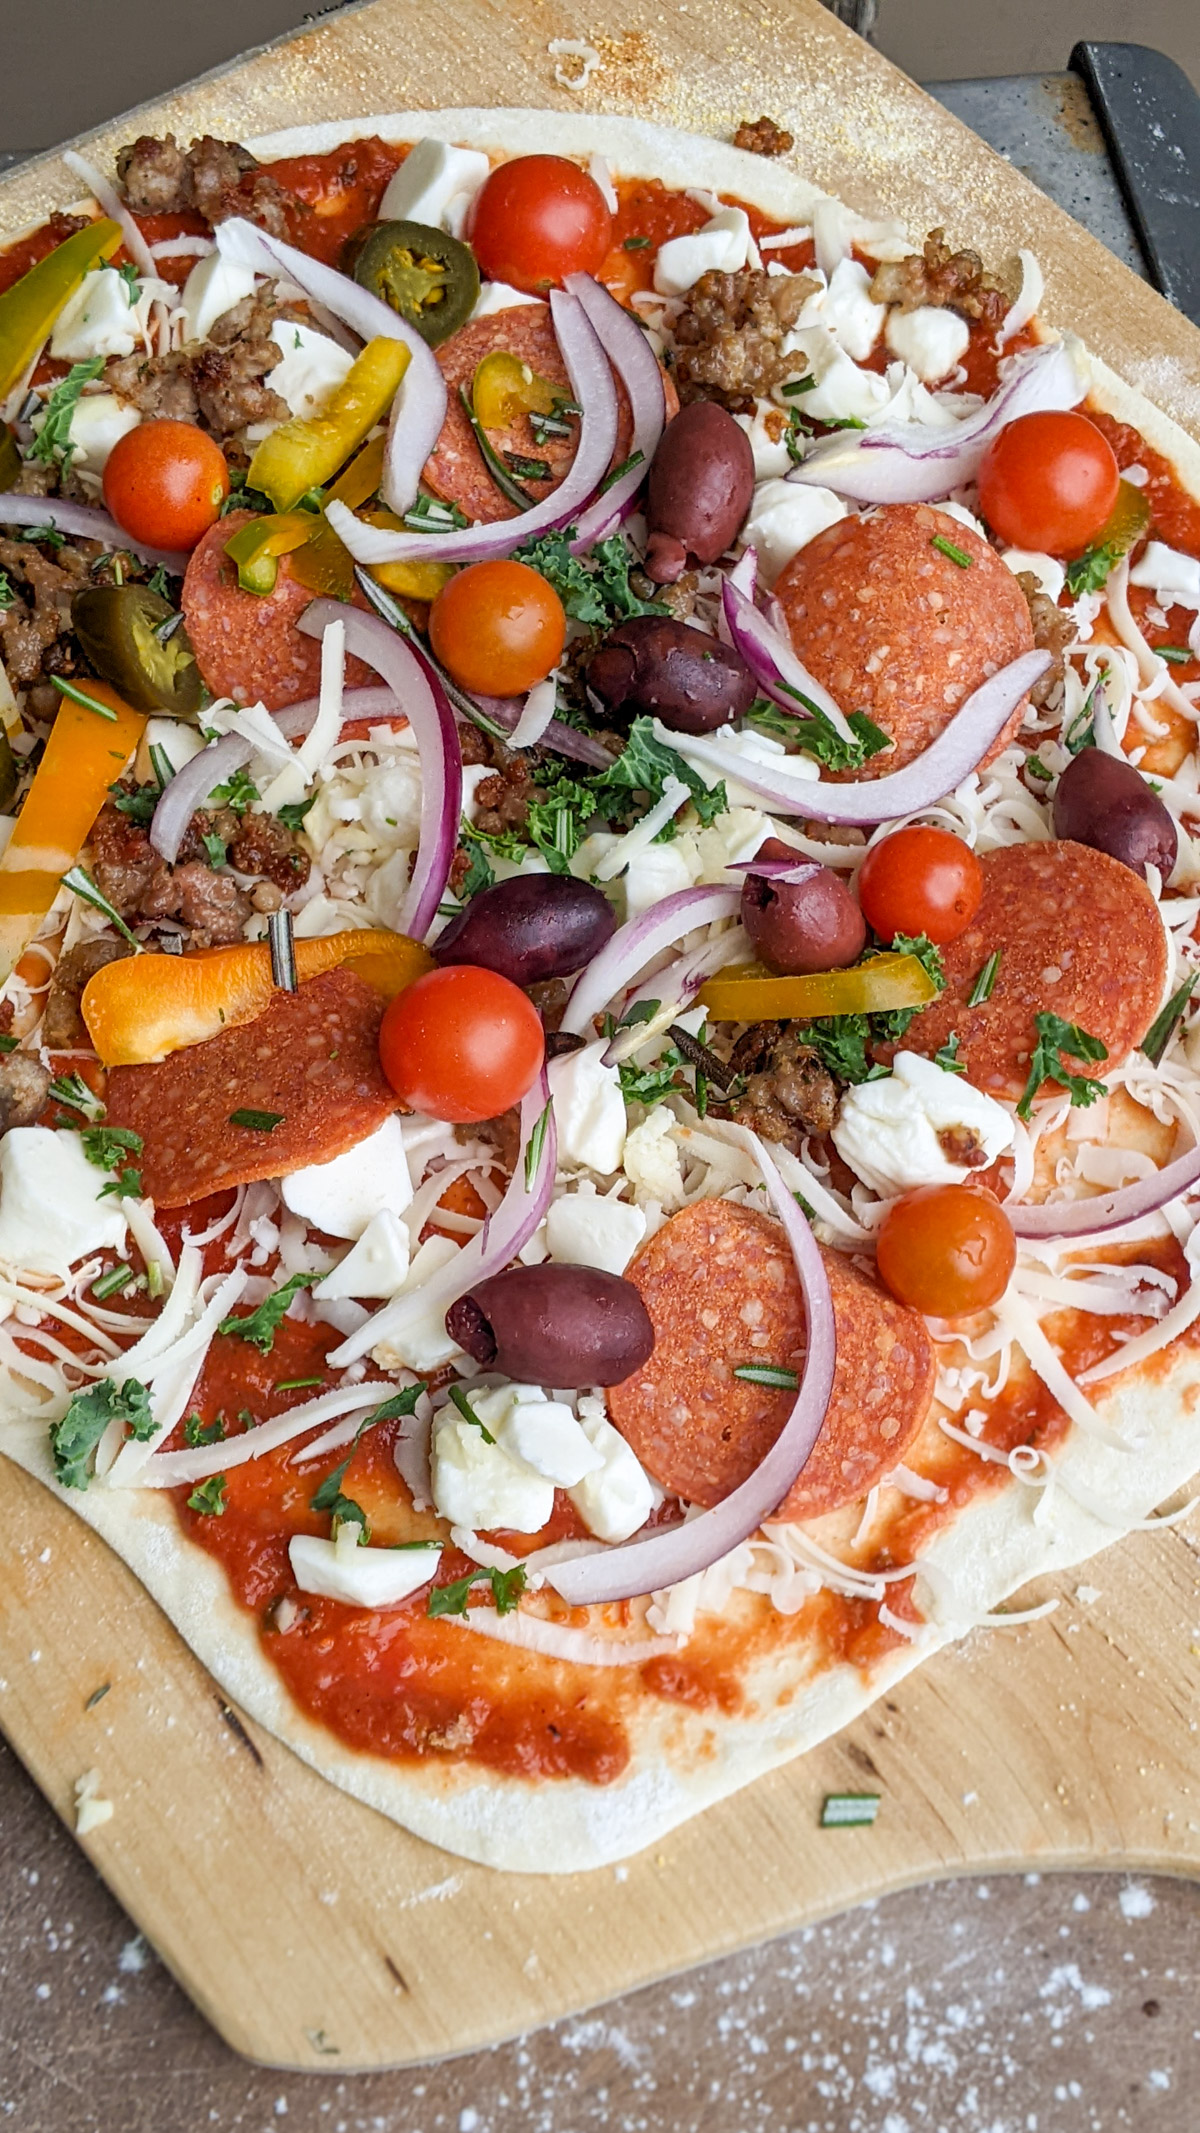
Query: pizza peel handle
(1150,114)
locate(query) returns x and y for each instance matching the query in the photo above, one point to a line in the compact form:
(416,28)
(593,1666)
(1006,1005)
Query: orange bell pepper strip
(87,749)
(143,1008)
(751,994)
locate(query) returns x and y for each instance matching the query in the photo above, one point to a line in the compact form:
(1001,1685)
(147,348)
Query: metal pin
(283,951)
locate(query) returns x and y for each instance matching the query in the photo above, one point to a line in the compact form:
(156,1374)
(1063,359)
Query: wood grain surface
(307,1928)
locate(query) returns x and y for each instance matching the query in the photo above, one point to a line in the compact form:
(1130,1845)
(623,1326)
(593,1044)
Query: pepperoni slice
(895,627)
(247,645)
(311,1060)
(1079,936)
(454,469)
(722,1291)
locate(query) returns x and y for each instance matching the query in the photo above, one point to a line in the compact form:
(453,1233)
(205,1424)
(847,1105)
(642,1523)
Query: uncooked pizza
(600,1091)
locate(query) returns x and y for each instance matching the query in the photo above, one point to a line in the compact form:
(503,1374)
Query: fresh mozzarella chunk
(500,296)
(1172,576)
(432,176)
(584,1230)
(342,1569)
(50,1212)
(784,518)
(652,1159)
(589,1109)
(97,420)
(425,1345)
(341,1196)
(99,320)
(616,1500)
(931,340)
(480,1485)
(169,737)
(723,244)
(213,287)
(312,367)
(541,1431)
(843,392)
(658,870)
(1049,572)
(853,319)
(376,1266)
(766,428)
(919,1126)
(737,834)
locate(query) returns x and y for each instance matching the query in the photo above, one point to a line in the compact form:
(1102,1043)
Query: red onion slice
(419,408)
(190,788)
(672,1553)
(593,388)
(86,523)
(773,662)
(490,1250)
(424,702)
(940,768)
(788,870)
(633,945)
(636,365)
(566,740)
(1108,1210)
(914,463)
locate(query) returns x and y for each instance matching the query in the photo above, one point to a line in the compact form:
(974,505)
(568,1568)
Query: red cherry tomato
(947,1250)
(1049,481)
(462,1044)
(538,219)
(498,628)
(165,483)
(920,881)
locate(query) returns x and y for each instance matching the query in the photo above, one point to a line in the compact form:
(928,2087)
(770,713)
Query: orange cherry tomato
(462,1044)
(920,881)
(498,628)
(165,483)
(538,219)
(1049,481)
(947,1250)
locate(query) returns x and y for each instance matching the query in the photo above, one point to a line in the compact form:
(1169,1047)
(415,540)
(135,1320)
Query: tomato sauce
(338,192)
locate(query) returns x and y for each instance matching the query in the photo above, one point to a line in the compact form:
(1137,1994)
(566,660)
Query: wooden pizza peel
(313,1933)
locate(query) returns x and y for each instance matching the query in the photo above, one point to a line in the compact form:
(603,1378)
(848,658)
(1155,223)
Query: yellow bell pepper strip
(28,310)
(143,1008)
(87,749)
(257,546)
(306,453)
(752,994)
(325,566)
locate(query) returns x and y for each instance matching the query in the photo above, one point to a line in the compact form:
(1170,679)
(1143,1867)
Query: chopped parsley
(260,1327)
(292,813)
(72,1091)
(1081,733)
(648,1085)
(257,1121)
(507,1587)
(197,1433)
(7,595)
(342,1509)
(1090,572)
(238,792)
(139,804)
(985,980)
(1162,1029)
(107,1147)
(948,1058)
(1058,1041)
(73,1441)
(52,444)
(214,847)
(209,1497)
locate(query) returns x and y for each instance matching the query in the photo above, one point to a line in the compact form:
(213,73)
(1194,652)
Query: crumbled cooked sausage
(158,386)
(35,627)
(265,846)
(218,383)
(218,178)
(63,1026)
(1053,631)
(502,801)
(23,1085)
(229,388)
(728,337)
(788,1093)
(762,137)
(936,275)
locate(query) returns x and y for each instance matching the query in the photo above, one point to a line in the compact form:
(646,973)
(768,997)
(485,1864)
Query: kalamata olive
(555,1325)
(1103,801)
(699,489)
(532,927)
(802,926)
(689,680)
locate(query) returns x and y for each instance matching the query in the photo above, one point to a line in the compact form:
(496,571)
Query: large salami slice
(311,1062)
